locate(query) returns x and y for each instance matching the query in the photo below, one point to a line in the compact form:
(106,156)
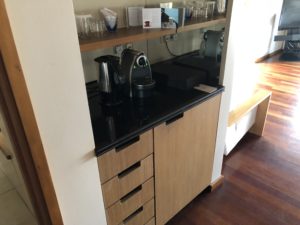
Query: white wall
(225,80)
(254,25)
(252,29)
(47,44)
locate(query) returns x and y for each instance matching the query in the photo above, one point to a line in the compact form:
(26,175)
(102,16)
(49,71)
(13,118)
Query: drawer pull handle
(129,170)
(130,194)
(177,117)
(135,213)
(127,143)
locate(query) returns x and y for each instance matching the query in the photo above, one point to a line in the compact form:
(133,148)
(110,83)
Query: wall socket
(118,49)
(171,37)
(129,45)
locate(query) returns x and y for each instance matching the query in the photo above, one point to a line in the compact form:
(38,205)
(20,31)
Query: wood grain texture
(183,152)
(151,222)
(26,129)
(260,96)
(262,174)
(217,183)
(118,187)
(267,56)
(124,208)
(134,34)
(113,162)
(145,217)
(261,115)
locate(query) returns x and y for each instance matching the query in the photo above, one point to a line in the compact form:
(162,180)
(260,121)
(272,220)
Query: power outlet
(118,49)
(129,45)
(167,38)
(173,37)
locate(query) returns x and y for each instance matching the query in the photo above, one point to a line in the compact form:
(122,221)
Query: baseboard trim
(263,58)
(217,183)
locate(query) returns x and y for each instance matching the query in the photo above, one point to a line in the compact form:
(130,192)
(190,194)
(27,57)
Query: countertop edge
(105,149)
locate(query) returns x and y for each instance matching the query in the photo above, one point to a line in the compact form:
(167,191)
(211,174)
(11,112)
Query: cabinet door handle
(131,141)
(173,119)
(130,194)
(134,214)
(129,170)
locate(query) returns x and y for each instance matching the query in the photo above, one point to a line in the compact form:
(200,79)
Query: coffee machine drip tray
(143,88)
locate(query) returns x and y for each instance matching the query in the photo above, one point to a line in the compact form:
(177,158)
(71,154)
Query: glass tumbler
(83,23)
(221,6)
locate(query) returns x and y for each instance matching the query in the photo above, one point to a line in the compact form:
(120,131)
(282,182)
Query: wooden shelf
(128,35)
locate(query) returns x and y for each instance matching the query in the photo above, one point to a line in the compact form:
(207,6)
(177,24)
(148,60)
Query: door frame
(23,130)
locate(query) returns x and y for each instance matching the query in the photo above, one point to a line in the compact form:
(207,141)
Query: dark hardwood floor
(262,175)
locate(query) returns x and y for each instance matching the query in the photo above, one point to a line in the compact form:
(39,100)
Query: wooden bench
(261,100)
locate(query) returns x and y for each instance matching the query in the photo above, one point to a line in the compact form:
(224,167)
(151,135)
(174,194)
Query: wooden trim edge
(22,99)
(217,183)
(255,100)
(267,56)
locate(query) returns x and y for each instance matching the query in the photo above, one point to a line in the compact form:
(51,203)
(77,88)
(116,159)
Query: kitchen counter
(112,126)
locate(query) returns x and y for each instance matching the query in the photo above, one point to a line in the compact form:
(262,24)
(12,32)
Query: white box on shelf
(151,18)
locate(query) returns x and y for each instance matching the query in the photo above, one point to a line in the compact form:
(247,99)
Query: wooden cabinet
(126,175)
(183,156)
(117,160)
(142,188)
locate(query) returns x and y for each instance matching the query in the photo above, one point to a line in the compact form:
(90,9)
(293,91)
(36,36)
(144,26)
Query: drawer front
(143,215)
(113,162)
(114,189)
(151,222)
(130,203)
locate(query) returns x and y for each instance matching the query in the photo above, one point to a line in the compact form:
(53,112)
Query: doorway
(15,205)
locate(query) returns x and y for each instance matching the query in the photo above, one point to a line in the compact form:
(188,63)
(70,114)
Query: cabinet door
(184,152)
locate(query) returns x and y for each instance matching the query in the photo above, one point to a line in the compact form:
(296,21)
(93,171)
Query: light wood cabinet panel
(118,212)
(151,222)
(142,216)
(183,154)
(119,186)
(115,161)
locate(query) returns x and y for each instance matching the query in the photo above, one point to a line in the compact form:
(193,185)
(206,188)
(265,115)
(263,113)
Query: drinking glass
(83,23)
(221,6)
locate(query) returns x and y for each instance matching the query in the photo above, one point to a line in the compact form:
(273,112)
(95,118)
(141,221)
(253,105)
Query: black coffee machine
(110,80)
(137,73)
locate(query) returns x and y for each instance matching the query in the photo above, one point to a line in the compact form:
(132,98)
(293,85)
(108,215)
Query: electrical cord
(169,50)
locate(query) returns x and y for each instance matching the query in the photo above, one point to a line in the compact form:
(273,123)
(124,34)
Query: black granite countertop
(112,126)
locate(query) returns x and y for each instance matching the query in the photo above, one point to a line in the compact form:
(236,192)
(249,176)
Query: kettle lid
(107,58)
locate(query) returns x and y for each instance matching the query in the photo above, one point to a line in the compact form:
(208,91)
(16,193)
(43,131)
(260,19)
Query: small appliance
(110,80)
(136,70)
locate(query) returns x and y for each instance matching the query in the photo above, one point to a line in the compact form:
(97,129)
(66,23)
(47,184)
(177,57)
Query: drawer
(151,222)
(117,187)
(144,215)
(115,161)
(122,209)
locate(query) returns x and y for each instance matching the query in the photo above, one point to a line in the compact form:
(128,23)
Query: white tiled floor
(13,210)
